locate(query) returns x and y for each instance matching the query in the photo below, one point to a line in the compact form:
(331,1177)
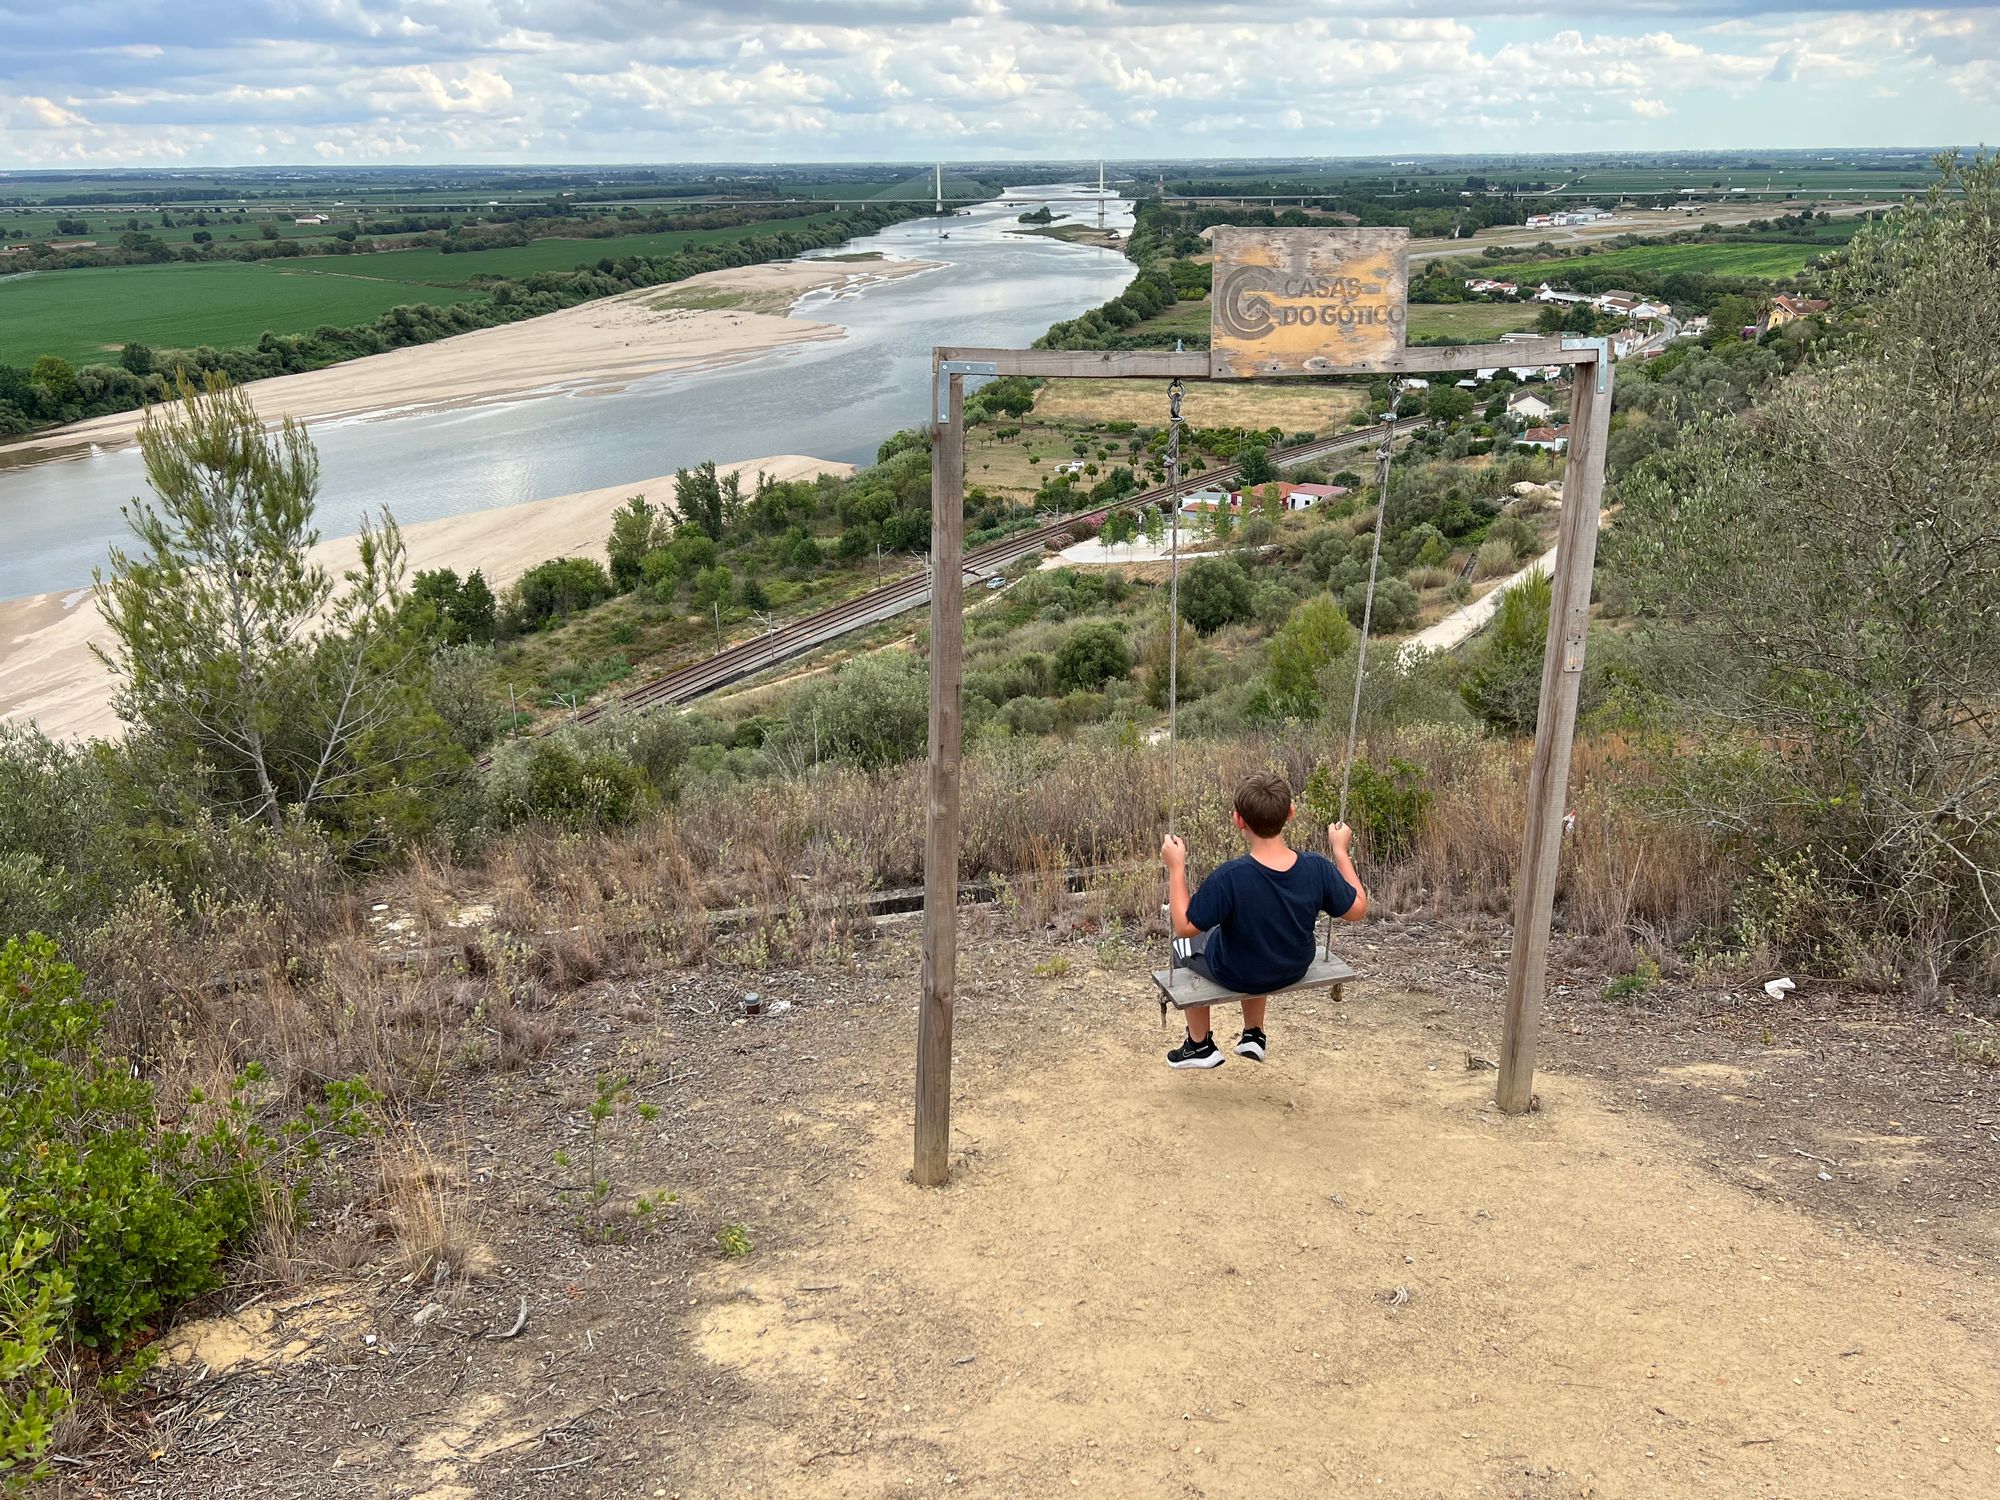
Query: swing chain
(1175,391)
(1385,456)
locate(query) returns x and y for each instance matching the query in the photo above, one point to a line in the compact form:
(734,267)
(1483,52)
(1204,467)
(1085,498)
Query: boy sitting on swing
(1250,926)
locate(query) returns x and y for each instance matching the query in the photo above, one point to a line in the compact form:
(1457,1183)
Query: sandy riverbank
(48,674)
(715,318)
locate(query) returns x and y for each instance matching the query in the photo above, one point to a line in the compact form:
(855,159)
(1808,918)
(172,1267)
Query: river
(833,399)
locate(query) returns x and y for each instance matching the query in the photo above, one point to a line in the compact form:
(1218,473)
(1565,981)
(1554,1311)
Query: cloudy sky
(217,82)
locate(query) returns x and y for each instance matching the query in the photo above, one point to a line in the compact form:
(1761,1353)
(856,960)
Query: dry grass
(423,1204)
(1495,559)
(472,967)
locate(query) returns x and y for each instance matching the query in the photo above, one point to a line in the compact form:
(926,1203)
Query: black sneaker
(1193,1054)
(1251,1043)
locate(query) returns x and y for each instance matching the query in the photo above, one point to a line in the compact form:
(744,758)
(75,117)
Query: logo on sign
(1251,300)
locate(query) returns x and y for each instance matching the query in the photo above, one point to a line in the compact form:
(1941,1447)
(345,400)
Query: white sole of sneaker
(1213,1060)
(1250,1049)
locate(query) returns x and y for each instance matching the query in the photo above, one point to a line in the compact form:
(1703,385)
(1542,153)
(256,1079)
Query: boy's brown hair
(1264,802)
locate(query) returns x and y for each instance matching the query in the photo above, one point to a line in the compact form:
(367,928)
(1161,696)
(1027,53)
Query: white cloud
(50,113)
(903,79)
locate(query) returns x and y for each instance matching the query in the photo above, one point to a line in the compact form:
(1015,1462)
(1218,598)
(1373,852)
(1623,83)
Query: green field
(85,316)
(435,268)
(1759,262)
(105,228)
(1473,321)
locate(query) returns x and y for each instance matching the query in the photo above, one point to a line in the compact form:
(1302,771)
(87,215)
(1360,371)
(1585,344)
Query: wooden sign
(1306,301)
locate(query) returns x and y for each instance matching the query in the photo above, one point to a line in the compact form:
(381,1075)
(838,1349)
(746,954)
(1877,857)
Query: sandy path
(597,343)
(1337,1273)
(48,674)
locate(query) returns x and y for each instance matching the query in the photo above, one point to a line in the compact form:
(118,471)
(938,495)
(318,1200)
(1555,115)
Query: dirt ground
(1744,1249)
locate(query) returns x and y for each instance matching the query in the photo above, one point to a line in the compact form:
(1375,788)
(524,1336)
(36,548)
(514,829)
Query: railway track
(898,597)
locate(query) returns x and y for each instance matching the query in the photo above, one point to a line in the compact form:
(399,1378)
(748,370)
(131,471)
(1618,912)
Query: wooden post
(1555,729)
(933,1146)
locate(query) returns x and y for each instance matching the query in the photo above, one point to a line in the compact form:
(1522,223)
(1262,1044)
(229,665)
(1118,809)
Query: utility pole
(718,627)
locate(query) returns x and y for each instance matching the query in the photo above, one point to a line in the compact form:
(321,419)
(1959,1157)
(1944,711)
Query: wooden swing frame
(1562,675)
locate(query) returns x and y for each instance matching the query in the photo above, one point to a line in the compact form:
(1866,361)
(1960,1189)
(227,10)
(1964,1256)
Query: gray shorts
(1192,954)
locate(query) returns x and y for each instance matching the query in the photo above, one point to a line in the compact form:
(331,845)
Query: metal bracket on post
(950,367)
(1603,347)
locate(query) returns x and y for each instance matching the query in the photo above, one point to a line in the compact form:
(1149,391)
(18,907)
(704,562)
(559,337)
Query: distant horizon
(924,163)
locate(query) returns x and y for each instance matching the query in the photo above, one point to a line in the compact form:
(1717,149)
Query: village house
(1548,439)
(1488,287)
(1208,499)
(313,219)
(1294,496)
(1788,309)
(72,244)
(1530,407)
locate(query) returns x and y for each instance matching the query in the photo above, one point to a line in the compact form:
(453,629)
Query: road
(900,596)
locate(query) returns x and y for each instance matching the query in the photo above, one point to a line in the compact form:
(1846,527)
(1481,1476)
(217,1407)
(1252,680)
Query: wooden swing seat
(1184,987)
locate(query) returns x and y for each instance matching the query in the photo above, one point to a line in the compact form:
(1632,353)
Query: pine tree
(268,691)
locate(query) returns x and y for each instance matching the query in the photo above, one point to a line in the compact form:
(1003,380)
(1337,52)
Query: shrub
(137,1217)
(33,1301)
(1306,645)
(1029,716)
(551,590)
(1494,558)
(1521,538)
(549,780)
(876,712)
(1396,606)
(472,716)
(1503,682)
(1215,592)
(1091,655)
(62,861)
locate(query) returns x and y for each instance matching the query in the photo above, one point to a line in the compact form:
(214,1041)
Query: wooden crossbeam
(1143,364)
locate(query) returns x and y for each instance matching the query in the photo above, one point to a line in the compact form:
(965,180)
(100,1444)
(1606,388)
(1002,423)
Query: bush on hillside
(1215,592)
(1503,675)
(549,779)
(875,712)
(1090,655)
(62,860)
(555,589)
(139,1216)
(1317,633)
(1396,607)
(472,716)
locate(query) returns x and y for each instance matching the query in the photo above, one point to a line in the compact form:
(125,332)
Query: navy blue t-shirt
(1260,921)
